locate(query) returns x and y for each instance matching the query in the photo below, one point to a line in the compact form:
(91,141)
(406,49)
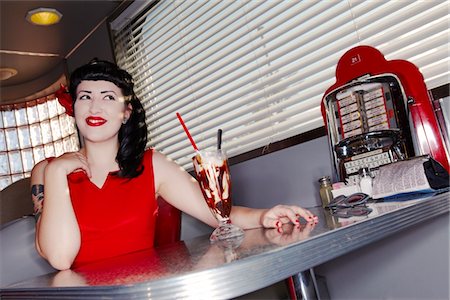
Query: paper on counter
(407,176)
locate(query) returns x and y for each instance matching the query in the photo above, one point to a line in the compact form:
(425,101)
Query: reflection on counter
(270,253)
(200,254)
(378,208)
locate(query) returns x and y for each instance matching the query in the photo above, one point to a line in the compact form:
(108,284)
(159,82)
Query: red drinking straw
(187,132)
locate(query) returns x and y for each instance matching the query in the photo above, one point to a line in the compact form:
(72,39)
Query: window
(258,69)
(30,132)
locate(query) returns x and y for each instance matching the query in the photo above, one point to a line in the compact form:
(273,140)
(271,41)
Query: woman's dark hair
(132,134)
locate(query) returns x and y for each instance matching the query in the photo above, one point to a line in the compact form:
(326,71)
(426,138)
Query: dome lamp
(44,16)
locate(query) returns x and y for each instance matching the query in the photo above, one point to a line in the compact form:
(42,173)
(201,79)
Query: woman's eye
(84,97)
(109,97)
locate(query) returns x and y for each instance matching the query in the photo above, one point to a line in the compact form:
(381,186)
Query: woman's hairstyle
(132,134)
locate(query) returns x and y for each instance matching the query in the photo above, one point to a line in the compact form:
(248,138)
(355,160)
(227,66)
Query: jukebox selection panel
(364,108)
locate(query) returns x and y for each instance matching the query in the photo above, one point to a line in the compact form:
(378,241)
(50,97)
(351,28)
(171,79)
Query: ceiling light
(6,73)
(44,16)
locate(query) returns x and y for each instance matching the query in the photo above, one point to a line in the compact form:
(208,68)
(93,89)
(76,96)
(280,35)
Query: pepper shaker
(325,190)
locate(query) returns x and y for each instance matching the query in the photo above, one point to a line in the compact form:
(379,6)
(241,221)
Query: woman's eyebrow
(84,91)
(104,92)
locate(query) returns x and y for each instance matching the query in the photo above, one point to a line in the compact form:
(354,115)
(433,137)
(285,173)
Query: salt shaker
(365,181)
(325,190)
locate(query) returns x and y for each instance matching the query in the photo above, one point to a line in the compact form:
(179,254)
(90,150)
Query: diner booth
(399,250)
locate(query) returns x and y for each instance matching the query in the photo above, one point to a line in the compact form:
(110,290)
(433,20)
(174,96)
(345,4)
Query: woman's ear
(128,111)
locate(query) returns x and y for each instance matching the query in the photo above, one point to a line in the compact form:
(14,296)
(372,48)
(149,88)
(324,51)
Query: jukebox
(378,112)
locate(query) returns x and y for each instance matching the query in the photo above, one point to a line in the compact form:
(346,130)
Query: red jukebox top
(116,219)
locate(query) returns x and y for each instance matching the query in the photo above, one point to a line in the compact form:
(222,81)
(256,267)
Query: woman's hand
(71,162)
(283,214)
(289,234)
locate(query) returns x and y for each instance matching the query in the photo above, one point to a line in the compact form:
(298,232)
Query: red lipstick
(95,121)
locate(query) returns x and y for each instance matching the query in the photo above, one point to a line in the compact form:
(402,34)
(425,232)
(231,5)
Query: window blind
(258,69)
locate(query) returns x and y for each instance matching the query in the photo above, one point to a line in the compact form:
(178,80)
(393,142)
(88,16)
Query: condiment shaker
(365,181)
(325,190)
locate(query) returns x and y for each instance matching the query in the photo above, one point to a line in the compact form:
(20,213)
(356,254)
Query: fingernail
(278,224)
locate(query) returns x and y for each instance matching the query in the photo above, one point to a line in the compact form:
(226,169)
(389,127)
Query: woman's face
(100,110)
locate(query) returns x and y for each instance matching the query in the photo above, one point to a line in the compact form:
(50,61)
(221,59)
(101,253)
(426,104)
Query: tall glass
(213,175)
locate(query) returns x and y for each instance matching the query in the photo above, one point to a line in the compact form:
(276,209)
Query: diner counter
(201,270)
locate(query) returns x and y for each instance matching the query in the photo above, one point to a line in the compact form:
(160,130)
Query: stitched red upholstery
(168,224)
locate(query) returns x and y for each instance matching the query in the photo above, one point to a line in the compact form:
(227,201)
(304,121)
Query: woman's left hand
(282,214)
(288,234)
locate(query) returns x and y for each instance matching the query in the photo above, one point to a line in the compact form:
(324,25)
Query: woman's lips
(95,121)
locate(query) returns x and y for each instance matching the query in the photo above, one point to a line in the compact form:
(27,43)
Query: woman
(100,202)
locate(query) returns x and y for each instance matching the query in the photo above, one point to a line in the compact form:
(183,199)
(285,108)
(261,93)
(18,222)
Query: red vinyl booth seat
(168,224)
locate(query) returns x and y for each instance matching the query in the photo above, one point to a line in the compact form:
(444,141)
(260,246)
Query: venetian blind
(258,69)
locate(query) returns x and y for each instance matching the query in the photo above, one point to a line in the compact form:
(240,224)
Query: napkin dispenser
(378,112)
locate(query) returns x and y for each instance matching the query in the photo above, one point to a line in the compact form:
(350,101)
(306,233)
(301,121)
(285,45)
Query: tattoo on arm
(37,195)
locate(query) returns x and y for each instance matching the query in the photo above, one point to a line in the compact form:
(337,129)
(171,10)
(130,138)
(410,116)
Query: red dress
(116,219)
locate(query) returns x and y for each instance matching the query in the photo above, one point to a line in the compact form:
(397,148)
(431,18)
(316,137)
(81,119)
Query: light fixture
(44,16)
(6,73)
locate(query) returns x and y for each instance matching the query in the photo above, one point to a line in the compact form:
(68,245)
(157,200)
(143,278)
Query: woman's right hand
(71,162)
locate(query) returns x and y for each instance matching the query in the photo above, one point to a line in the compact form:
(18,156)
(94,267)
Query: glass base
(226,231)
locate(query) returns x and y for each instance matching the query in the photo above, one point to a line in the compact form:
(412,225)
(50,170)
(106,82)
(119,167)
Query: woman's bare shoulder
(165,169)
(159,158)
(37,173)
(40,166)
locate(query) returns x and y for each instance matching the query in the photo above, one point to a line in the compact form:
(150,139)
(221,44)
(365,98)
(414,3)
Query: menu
(406,176)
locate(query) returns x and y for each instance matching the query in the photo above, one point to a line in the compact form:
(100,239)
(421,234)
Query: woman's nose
(95,105)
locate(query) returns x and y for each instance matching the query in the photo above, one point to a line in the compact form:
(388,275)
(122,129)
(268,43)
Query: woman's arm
(181,190)
(57,231)
(37,195)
